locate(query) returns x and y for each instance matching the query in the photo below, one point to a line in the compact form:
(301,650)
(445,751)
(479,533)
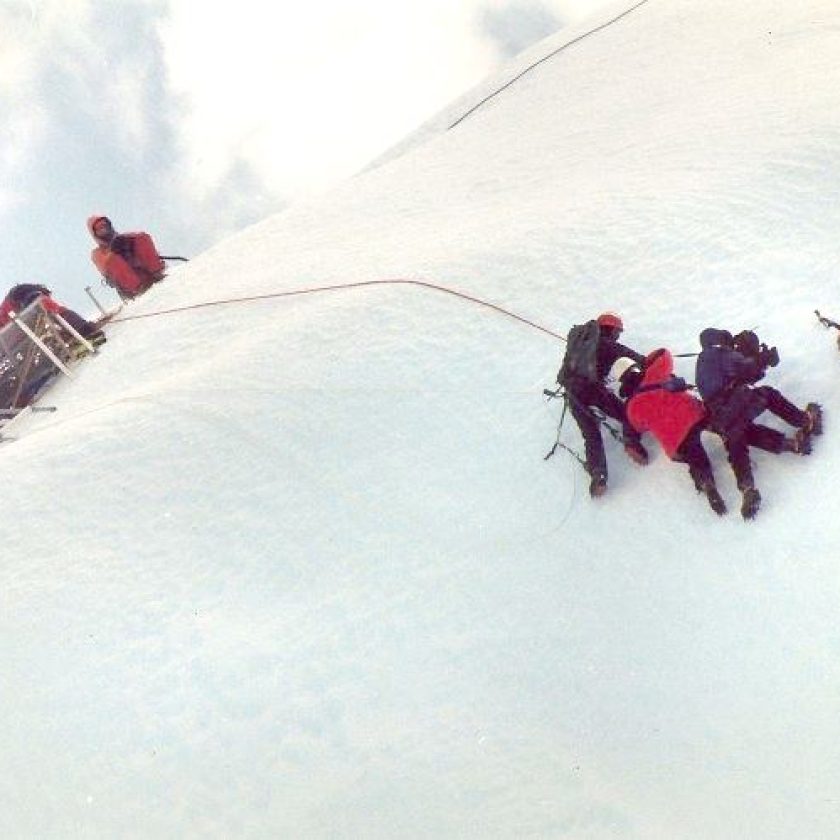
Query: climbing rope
(338,287)
(544,59)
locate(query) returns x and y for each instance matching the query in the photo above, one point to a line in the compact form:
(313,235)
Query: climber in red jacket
(128,261)
(660,404)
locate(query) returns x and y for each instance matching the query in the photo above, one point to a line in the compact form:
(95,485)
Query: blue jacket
(719,365)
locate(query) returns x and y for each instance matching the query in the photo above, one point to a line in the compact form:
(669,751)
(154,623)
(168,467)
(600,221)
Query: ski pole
(93,298)
(826,322)
(13,412)
(180,259)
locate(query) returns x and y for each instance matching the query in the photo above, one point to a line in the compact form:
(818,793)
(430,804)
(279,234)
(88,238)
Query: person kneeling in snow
(726,372)
(659,402)
(127,261)
(583,378)
(22,295)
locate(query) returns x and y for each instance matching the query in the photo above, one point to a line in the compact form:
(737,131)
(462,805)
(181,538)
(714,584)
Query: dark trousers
(738,450)
(692,453)
(782,407)
(584,396)
(740,438)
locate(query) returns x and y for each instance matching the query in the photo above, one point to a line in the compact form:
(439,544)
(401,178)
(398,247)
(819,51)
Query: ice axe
(828,324)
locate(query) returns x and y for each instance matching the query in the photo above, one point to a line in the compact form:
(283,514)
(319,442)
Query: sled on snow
(35,346)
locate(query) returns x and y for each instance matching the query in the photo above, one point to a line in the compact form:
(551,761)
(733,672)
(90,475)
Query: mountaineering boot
(799,444)
(751,503)
(636,452)
(598,485)
(811,426)
(814,424)
(716,502)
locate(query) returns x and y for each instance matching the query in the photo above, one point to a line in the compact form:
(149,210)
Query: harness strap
(593,412)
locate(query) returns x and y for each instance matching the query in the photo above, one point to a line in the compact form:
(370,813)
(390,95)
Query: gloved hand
(768,356)
(122,245)
(674,384)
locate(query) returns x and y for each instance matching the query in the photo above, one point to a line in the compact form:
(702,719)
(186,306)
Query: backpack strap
(672,384)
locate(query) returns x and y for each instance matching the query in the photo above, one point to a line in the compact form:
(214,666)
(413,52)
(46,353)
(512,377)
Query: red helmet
(610,319)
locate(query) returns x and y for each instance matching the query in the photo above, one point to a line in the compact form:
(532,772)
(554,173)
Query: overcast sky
(193,118)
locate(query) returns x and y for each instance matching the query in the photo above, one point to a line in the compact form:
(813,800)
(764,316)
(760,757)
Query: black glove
(674,384)
(122,245)
(768,356)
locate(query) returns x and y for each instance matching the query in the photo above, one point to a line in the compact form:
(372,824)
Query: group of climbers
(128,262)
(651,398)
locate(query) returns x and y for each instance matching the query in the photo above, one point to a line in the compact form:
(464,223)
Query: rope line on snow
(544,59)
(423,284)
(395,282)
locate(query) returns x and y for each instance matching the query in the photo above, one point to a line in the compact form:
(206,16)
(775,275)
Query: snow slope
(295,567)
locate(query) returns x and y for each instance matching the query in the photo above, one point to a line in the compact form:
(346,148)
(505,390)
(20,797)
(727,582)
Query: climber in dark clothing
(20,296)
(587,393)
(727,369)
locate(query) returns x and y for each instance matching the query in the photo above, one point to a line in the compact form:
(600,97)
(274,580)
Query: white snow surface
(296,567)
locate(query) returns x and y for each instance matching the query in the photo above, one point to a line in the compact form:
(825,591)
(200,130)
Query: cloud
(22,127)
(315,91)
(302,95)
(195,119)
(513,26)
(83,96)
(74,76)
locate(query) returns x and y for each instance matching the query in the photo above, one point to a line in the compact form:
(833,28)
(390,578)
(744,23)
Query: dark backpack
(581,359)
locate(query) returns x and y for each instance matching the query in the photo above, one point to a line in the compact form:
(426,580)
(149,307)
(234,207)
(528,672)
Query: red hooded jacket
(668,415)
(129,261)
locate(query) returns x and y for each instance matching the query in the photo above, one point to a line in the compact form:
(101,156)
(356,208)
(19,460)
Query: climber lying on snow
(659,403)
(652,399)
(727,369)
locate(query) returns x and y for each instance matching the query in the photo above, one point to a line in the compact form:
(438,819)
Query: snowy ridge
(529,59)
(299,568)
